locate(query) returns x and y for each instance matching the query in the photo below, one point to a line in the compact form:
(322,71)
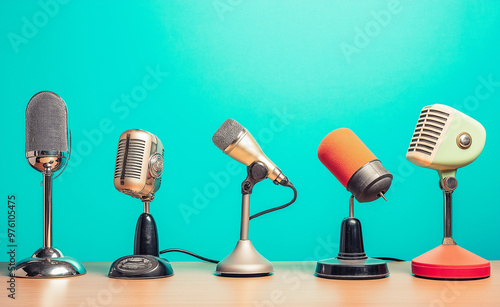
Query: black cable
(279,207)
(389,259)
(178,250)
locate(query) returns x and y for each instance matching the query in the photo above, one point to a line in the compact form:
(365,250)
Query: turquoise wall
(290,72)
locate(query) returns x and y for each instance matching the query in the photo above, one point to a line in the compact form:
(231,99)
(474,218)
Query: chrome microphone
(238,143)
(138,171)
(139,164)
(47,151)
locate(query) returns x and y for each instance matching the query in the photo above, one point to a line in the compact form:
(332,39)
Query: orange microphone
(354,165)
(357,168)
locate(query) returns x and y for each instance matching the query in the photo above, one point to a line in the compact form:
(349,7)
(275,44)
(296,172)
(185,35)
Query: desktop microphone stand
(47,261)
(245,260)
(448,260)
(145,263)
(351,262)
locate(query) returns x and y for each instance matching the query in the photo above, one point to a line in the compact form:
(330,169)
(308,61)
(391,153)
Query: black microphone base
(140,267)
(368,268)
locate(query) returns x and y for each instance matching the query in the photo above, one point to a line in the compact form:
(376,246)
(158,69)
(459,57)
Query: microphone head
(139,164)
(46,123)
(227,133)
(354,165)
(238,143)
(46,132)
(445,139)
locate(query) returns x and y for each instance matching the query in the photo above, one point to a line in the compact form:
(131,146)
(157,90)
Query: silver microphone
(46,151)
(238,143)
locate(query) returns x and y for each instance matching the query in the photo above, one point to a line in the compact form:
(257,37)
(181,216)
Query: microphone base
(48,262)
(244,261)
(140,267)
(450,262)
(368,268)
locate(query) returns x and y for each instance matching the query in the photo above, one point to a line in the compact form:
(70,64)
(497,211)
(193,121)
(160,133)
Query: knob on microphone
(354,165)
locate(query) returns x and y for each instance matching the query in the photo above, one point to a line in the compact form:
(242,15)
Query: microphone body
(354,165)
(238,143)
(139,164)
(445,139)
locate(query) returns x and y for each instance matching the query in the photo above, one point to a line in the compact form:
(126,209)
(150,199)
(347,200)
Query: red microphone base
(450,262)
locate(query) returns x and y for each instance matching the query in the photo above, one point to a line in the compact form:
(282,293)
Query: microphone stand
(449,260)
(351,262)
(47,261)
(245,260)
(145,263)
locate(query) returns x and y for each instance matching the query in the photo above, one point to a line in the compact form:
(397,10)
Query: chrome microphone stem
(47,208)
(448,240)
(351,206)
(245,216)
(146,207)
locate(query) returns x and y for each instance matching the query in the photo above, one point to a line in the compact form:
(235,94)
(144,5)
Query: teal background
(251,61)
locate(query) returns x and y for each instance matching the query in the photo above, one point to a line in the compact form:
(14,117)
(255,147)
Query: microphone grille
(130,158)
(227,133)
(430,126)
(46,123)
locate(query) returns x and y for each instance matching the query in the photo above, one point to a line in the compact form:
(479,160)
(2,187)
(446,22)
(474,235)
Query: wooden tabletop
(293,284)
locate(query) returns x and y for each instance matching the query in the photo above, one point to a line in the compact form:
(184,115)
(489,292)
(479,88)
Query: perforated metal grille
(132,157)
(429,127)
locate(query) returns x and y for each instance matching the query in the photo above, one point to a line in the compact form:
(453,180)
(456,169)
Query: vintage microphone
(446,139)
(362,174)
(47,152)
(237,142)
(138,170)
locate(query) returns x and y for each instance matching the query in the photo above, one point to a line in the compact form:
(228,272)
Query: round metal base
(48,263)
(368,268)
(244,261)
(140,267)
